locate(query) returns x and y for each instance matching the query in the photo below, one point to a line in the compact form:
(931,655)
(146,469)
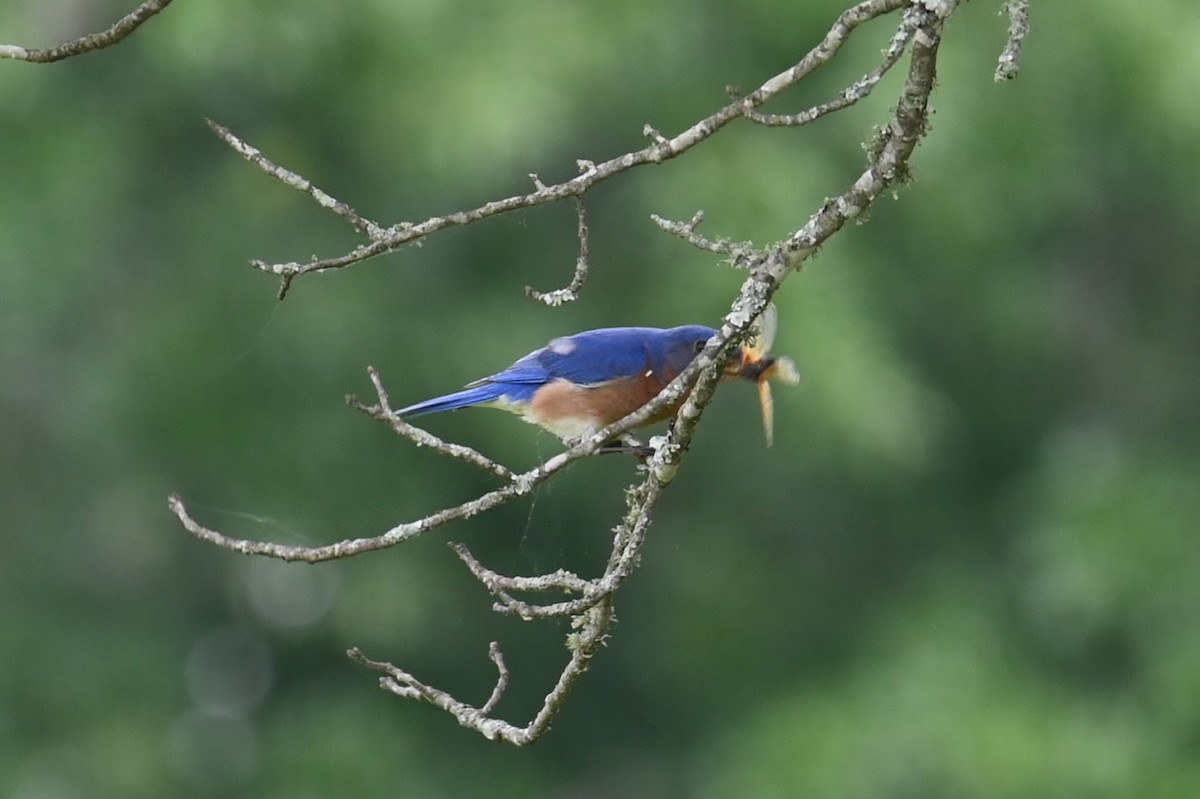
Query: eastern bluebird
(579,384)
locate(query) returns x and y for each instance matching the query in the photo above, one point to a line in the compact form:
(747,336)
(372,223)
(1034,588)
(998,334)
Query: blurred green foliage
(968,568)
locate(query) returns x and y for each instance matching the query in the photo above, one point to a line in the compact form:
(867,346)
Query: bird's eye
(699,346)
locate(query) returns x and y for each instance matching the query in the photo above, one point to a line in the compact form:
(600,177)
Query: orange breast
(569,410)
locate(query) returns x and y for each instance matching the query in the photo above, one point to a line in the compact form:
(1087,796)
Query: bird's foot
(627,445)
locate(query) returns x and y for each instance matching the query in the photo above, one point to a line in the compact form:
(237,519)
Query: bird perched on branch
(579,384)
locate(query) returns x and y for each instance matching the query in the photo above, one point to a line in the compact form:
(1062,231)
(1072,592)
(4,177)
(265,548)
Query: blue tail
(488,392)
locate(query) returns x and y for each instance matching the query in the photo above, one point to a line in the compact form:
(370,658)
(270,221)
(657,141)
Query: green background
(969,567)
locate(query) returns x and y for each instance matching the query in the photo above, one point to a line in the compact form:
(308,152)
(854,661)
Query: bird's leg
(627,445)
(642,453)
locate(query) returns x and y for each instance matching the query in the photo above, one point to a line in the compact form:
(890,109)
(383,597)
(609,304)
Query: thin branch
(856,91)
(403,684)
(287,177)
(502,587)
(496,657)
(687,232)
(1018,26)
(560,580)
(739,253)
(659,150)
(92,41)
(519,485)
(383,412)
(592,628)
(571,292)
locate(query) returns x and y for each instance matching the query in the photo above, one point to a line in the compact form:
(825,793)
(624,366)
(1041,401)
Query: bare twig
(383,412)
(519,485)
(502,587)
(687,232)
(591,629)
(496,657)
(571,292)
(401,683)
(92,41)
(560,580)
(1018,26)
(739,253)
(856,91)
(287,177)
(652,133)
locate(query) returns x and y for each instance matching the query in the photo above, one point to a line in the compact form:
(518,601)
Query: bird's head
(682,344)
(752,361)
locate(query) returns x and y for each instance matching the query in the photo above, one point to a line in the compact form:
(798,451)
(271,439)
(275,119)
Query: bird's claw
(627,445)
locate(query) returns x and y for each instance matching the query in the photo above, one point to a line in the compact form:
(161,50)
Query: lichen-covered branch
(1018,26)
(571,292)
(853,93)
(591,628)
(739,253)
(92,41)
(383,413)
(301,184)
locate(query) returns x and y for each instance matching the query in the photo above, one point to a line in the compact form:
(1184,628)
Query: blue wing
(589,358)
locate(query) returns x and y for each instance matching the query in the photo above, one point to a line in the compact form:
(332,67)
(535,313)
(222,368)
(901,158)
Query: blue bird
(579,384)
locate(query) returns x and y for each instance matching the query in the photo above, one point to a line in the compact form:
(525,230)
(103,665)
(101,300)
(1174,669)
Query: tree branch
(592,627)
(740,253)
(93,41)
(571,292)
(1018,26)
(383,413)
(856,91)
